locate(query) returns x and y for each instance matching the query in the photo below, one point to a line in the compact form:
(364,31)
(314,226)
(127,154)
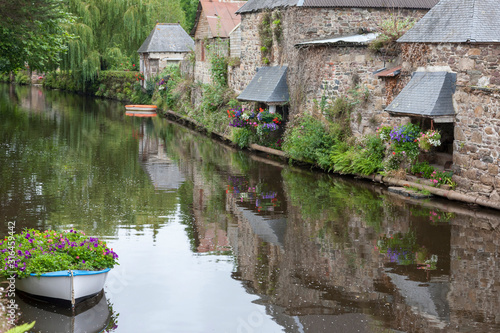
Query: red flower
(133,65)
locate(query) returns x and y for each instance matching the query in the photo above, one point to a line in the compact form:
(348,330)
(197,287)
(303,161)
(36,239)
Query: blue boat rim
(75,273)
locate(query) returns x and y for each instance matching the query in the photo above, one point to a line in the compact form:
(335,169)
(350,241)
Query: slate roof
(414,4)
(428,94)
(257,5)
(360,40)
(268,86)
(221,16)
(457,21)
(167,37)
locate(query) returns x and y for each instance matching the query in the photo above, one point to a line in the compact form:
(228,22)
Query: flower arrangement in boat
(38,252)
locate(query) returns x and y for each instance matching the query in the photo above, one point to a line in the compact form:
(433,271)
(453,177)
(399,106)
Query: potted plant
(57,265)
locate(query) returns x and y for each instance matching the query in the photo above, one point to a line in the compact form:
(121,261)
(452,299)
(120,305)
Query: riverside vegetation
(326,141)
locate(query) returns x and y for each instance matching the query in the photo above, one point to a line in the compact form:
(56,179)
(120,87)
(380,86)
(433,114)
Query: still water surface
(212,239)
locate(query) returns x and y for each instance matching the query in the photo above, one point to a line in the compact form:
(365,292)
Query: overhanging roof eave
(416,114)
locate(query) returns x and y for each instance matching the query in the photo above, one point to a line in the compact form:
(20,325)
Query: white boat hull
(62,286)
(143,108)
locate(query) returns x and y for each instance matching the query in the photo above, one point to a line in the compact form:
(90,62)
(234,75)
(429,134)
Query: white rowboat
(72,286)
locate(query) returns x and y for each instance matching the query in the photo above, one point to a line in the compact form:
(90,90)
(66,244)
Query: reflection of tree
(320,197)
(76,172)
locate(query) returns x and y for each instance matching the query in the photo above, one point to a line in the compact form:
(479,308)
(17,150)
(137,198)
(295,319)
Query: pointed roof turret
(167,37)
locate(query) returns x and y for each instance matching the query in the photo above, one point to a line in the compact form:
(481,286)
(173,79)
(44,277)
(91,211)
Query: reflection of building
(475,274)
(163,172)
(34,100)
(328,275)
(322,268)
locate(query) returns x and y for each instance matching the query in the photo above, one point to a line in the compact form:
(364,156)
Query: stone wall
(241,75)
(477,101)
(164,59)
(342,72)
(201,37)
(322,71)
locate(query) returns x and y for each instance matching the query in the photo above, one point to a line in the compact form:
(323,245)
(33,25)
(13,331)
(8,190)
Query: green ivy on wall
(270,31)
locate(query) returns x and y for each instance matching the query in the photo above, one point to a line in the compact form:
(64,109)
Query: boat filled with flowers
(56,265)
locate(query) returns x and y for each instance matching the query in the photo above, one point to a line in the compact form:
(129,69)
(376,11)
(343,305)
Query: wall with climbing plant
(318,75)
(476,154)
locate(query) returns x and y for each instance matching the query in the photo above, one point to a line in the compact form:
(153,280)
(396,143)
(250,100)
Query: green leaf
(21,329)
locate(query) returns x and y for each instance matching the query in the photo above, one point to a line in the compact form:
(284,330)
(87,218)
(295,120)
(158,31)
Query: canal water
(212,239)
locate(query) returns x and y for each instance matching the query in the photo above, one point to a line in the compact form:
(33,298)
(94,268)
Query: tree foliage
(190,7)
(39,33)
(33,33)
(113,29)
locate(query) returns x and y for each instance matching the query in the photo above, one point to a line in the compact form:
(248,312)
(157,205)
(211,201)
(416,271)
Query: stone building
(324,44)
(461,39)
(215,20)
(168,43)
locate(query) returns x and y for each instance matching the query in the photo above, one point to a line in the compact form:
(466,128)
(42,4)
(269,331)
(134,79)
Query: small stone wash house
(215,20)
(451,61)
(322,46)
(168,43)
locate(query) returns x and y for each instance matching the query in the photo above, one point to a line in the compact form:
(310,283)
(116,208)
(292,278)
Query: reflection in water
(163,173)
(91,316)
(214,239)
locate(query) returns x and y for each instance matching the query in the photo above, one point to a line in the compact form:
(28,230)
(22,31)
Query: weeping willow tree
(109,30)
